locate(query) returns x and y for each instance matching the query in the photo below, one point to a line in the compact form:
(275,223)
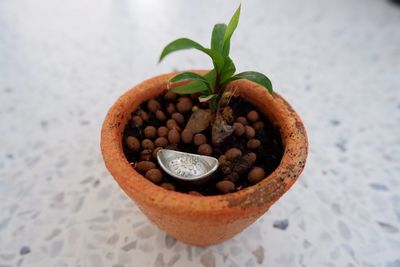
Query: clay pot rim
(143,191)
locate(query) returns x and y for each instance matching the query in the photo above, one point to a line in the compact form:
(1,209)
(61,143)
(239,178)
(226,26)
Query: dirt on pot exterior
(247,156)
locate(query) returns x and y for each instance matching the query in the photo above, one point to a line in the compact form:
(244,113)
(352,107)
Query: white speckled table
(63,63)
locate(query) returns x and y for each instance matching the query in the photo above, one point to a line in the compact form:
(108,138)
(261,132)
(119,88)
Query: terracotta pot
(202,220)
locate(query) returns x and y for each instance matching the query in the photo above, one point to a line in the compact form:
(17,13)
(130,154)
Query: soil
(269,149)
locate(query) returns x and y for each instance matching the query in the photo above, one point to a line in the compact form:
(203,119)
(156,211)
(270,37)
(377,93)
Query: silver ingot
(186,166)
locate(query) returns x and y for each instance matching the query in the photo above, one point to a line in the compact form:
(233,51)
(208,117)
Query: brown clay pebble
(161,142)
(253,116)
(187,136)
(178,117)
(226,170)
(153,105)
(133,143)
(252,157)
(184,104)
(199,139)
(155,152)
(154,175)
(144,166)
(223,161)
(137,120)
(234,176)
(160,115)
(249,131)
(242,120)
(168,186)
(171,108)
(162,131)
(241,166)
(255,175)
(258,125)
(233,153)
(174,137)
(169,95)
(205,149)
(195,193)
(147,144)
(238,128)
(146,154)
(172,124)
(225,186)
(143,114)
(150,132)
(253,144)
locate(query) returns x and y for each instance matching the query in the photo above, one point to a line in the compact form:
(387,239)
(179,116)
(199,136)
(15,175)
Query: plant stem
(217,81)
(213,104)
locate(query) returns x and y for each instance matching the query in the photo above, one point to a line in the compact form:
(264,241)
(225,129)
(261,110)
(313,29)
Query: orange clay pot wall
(204,220)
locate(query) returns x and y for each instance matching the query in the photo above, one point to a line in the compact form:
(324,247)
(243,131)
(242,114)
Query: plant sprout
(212,85)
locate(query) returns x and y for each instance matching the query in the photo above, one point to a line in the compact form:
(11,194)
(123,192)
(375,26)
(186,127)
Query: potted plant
(259,140)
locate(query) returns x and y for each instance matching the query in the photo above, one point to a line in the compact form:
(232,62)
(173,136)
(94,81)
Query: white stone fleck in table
(63,63)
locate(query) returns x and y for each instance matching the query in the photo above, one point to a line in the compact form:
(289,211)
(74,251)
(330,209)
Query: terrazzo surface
(63,63)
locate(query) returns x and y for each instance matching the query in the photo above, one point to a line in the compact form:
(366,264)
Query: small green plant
(213,84)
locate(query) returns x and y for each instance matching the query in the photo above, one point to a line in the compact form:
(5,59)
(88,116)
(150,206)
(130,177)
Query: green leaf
(185,43)
(253,76)
(229,31)
(217,38)
(228,70)
(190,88)
(227,47)
(190,76)
(211,77)
(180,44)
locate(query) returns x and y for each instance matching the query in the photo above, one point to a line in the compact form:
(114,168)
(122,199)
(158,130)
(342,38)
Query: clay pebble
(238,128)
(172,124)
(171,108)
(205,149)
(253,144)
(160,115)
(133,143)
(161,142)
(162,131)
(174,136)
(249,131)
(137,121)
(255,175)
(184,104)
(144,166)
(153,105)
(146,154)
(233,153)
(225,186)
(199,139)
(178,117)
(168,186)
(147,144)
(242,120)
(187,136)
(154,175)
(253,116)
(150,132)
